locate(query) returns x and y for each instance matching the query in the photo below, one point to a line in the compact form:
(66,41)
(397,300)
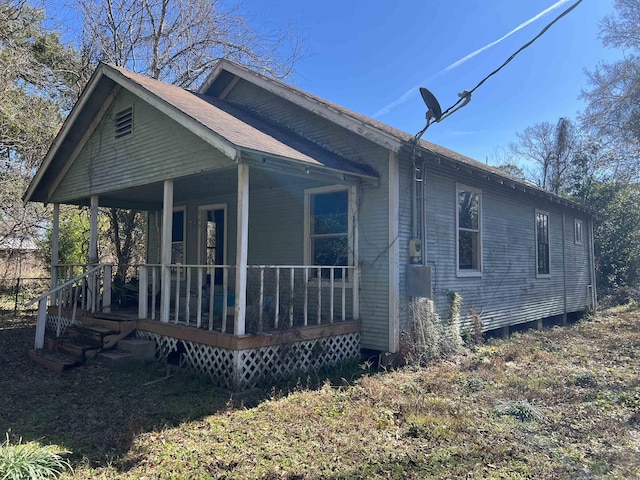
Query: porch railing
(278,296)
(194,301)
(90,290)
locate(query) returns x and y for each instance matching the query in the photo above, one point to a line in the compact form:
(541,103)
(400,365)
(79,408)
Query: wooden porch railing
(278,296)
(90,290)
(194,301)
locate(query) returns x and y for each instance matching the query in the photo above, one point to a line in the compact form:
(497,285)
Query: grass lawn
(563,403)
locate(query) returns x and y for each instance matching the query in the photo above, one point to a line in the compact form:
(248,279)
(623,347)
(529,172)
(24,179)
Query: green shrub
(520,410)
(30,461)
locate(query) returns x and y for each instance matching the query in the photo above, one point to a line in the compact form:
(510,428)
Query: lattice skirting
(58,324)
(241,369)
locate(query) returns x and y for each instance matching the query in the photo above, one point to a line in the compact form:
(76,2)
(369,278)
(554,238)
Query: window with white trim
(577,229)
(328,229)
(542,243)
(468,231)
(178,227)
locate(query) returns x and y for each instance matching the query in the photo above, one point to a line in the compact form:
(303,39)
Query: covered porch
(251,273)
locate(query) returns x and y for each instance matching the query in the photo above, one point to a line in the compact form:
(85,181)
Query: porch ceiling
(205,185)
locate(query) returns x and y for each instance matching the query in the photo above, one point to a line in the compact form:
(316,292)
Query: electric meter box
(419,281)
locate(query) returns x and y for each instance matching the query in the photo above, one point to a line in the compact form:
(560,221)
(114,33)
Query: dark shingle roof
(244,130)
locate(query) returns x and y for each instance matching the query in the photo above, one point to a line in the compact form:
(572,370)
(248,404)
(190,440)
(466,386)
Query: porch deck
(294,322)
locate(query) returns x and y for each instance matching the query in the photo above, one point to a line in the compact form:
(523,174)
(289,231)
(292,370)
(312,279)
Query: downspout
(424,215)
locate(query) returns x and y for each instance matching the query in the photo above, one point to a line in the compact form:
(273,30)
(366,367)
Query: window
(577,228)
(123,123)
(177,236)
(542,243)
(469,223)
(328,231)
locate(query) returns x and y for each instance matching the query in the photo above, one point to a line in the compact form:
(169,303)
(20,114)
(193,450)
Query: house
(18,257)
(288,233)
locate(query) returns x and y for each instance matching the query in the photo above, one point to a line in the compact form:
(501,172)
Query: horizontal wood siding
(509,291)
(276,225)
(158,149)
(577,261)
(373,258)
(405,234)
(306,123)
(373,202)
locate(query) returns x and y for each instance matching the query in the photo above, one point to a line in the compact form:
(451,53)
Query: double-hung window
(328,228)
(577,229)
(542,244)
(469,231)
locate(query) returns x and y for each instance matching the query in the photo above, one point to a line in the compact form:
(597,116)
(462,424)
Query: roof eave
(213,138)
(64,131)
(510,182)
(308,102)
(305,167)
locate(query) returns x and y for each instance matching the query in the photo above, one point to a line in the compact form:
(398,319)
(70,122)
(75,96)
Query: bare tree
(176,41)
(613,94)
(550,150)
(39,78)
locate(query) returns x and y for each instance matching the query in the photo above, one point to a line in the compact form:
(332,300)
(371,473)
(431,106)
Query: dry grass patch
(562,403)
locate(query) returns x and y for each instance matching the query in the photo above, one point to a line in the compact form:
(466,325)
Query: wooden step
(116,323)
(64,345)
(56,361)
(88,335)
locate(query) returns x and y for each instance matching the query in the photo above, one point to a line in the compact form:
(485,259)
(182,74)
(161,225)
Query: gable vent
(123,123)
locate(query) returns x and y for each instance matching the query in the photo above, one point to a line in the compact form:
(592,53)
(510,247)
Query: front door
(213,238)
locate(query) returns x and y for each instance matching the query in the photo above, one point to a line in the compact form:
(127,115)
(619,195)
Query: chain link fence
(16,292)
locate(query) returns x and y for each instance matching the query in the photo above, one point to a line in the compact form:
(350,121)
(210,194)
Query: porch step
(89,335)
(83,342)
(80,351)
(116,358)
(55,361)
(141,349)
(128,352)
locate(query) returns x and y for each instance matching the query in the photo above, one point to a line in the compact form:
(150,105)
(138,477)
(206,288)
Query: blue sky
(372,56)
(366,55)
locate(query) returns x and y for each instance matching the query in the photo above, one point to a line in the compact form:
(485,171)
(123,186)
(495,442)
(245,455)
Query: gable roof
(228,128)
(232,130)
(226,73)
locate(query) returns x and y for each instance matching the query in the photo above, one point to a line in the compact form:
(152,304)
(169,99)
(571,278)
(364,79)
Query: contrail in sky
(387,108)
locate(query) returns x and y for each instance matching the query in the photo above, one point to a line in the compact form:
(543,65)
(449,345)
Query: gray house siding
(373,202)
(577,265)
(151,154)
(308,124)
(276,237)
(373,258)
(509,291)
(405,233)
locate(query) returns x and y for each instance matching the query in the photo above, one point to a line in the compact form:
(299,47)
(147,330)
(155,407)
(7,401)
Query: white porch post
(93,253)
(165,254)
(93,236)
(241,248)
(55,246)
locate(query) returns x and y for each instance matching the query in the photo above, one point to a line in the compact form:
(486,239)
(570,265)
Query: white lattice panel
(57,324)
(281,361)
(240,369)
